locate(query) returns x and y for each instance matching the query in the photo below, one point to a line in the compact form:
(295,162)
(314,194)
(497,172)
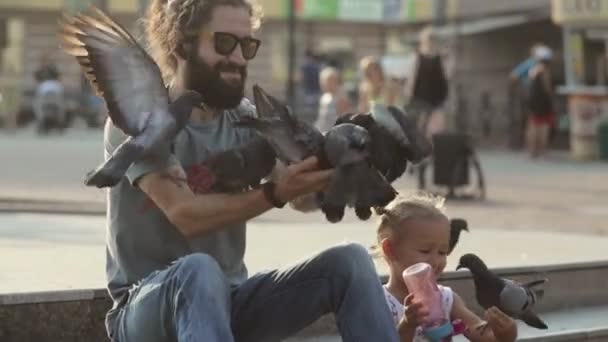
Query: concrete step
(575,306)
(581,324)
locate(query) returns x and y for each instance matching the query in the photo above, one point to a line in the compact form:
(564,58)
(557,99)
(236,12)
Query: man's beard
(216,92)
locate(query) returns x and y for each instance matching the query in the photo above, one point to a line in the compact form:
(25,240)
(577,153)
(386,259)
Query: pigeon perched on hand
(515,300)
(355,182)
(348,147)
(457,225)
(131,84)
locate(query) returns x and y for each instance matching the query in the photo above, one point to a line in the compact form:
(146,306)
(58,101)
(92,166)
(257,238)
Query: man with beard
(175,268)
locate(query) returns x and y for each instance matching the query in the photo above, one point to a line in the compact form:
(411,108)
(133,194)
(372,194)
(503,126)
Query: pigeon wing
(419,147)
(117,67)
(514,299)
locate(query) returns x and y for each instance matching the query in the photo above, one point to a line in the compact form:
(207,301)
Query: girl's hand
(503,326)
(415,313)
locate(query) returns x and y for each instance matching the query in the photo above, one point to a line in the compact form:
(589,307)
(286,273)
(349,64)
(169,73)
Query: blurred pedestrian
(541,116)
(374,87)
(428,86)
(334,102)
(309,74)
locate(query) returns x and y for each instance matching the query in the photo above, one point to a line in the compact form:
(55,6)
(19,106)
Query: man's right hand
(300,179)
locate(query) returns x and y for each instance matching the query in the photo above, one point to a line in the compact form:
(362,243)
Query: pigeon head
(472,262)
(346,144)
(266,105)
(459,224)
(359,138)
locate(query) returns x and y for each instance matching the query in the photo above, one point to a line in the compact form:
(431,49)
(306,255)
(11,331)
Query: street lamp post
(291,52)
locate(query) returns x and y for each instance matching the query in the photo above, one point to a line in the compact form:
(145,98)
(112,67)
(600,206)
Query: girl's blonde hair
(417,206)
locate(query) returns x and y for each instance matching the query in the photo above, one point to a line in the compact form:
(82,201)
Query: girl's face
(374,73)
(333,82)
(421,240)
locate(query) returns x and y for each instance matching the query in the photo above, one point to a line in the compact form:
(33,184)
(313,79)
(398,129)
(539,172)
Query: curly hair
(169,24)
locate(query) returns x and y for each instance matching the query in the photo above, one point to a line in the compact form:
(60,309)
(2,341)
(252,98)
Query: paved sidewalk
(51,252)
(555,194)
(527,202)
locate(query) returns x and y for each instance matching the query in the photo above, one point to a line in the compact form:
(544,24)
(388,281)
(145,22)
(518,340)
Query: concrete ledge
(592,335)
(78,315)
(18,205)
(52,297)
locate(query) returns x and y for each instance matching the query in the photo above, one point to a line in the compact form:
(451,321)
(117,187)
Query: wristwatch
(268,189)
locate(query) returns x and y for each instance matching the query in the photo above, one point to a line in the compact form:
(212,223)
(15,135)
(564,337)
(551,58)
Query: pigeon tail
(534,283)
(531,319)
(112,170)
(536,293)
(375,191)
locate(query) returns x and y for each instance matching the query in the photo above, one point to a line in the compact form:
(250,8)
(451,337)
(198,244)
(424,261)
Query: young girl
(414,230)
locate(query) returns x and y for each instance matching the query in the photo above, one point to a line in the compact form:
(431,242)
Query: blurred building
(484,38)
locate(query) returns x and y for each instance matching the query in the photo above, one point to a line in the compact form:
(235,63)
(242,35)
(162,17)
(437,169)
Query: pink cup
(420,282)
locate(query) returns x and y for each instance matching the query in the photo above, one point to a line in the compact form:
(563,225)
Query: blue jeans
(192,301)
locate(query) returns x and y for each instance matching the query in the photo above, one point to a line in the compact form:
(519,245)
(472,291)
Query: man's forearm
(207,213)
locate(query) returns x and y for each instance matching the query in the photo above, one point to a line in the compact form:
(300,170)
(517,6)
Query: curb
(21,205)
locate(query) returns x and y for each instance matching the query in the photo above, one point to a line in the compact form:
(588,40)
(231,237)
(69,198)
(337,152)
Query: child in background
(334,101)
(414,230)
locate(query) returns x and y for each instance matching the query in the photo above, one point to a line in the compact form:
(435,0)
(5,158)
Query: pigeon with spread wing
(130,82)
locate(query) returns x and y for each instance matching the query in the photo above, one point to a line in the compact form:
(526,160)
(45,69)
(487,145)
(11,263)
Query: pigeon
(395,139)
(404,129)
(292,139)
(457,225)
(514,299)
(130,82)
(345,147)
(234,170)
(355,182)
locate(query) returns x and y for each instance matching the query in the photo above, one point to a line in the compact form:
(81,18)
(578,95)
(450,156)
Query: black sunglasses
(225,43)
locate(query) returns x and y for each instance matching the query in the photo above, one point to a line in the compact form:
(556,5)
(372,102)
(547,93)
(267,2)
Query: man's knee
(201,272)
(350,260)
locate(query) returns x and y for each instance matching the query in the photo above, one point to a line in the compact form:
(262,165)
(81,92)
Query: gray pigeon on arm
(345,147)
(131,84)
(515,300)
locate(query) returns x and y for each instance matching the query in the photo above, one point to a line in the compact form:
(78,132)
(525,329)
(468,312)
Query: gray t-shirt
(140,239)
